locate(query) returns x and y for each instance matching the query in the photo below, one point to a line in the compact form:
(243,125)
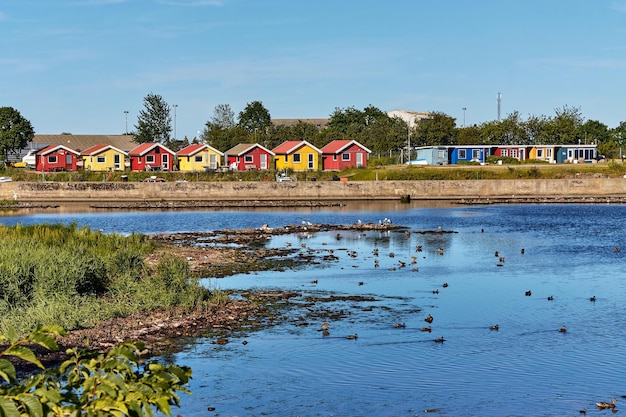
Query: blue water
(526,368)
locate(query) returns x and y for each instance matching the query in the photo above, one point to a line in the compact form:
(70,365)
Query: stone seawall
(61,192)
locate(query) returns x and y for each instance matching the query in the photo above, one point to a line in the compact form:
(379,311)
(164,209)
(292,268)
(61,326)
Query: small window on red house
(345,156)
(248,158)
(149,159)
(52,159)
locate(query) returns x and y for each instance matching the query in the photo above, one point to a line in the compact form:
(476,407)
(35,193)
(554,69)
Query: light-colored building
(412,118)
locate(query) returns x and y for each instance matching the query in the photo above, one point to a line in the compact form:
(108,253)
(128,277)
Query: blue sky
(77,65)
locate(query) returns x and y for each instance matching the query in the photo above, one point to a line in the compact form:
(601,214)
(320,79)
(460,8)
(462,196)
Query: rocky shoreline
(230,251)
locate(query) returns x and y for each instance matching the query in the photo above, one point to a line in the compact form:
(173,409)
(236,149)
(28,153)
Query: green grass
(76,277)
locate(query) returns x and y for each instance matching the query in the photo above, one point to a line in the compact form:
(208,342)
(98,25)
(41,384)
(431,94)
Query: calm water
(526,368)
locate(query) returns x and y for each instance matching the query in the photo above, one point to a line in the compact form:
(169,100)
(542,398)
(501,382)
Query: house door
(165,162)
(213,161)
(68,160)
(116,162)
(311,161)
(263,161)
(359,159)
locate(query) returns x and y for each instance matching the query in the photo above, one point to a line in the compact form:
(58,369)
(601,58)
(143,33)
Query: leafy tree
(536,130)
(255,118)
(593,131)
(223,117)
(564,128)
(438,129)
(154,123)
(15,132)
(87,384)
(469,135)
(615,147)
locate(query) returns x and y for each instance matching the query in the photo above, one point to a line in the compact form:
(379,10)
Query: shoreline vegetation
(105,289)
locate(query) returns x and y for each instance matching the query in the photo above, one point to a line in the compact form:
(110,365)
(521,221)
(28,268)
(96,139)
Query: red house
(342,154)
(151,157)
(247,156)
(56,158)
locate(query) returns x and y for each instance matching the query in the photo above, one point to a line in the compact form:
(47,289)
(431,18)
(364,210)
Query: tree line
(371,127)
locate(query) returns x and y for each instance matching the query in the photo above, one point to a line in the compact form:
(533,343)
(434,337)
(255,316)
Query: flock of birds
(429,318)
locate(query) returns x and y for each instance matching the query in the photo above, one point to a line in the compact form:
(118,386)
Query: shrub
(89,384)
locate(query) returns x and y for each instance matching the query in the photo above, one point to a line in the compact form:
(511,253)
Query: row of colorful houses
(294,155)
(555,154)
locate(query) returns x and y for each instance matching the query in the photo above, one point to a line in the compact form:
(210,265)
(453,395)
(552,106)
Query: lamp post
(175,105)
(464,109)
(126,114)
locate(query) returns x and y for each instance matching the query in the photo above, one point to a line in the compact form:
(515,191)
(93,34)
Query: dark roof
(81,142)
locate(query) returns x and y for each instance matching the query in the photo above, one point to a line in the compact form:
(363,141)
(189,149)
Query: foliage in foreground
(76,277)
(87,384)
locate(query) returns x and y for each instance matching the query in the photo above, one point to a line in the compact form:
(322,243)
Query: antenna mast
(499,101)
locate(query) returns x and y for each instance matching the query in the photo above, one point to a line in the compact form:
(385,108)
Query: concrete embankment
(568,190)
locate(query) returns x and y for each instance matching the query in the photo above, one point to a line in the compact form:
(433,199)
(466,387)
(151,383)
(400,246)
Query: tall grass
(75,277)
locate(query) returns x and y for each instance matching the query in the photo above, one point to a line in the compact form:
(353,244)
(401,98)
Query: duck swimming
(494,327)
(429,319)
(563,329)
(603,405)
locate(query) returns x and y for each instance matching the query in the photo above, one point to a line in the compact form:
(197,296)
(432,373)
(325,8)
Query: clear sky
(76,65)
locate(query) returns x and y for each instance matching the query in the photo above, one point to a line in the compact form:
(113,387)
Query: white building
(412,118)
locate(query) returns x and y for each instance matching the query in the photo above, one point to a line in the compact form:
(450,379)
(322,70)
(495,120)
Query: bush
(89,384)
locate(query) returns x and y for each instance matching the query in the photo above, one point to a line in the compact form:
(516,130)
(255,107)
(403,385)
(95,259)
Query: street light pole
(464,109)
(126,114)
(175,105)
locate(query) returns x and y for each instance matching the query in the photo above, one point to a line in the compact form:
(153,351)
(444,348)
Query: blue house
(431,155)
(469,153)
(576,153)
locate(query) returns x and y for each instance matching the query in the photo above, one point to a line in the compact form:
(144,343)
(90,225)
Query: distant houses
(119,153)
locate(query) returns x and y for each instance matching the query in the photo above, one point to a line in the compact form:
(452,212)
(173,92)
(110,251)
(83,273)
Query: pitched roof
(80,142)
(94,150)
(194,148)
(52,148)
(144,148)
(244,148)
(337,146)
(291,146)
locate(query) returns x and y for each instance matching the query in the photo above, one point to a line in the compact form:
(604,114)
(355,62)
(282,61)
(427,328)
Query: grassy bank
(76,277)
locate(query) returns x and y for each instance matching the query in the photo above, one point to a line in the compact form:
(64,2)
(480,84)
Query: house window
(505,152)
(198,158)
(513,153)
(476,154)
(149,159)
(462,153)
(52,159)
(440,154)
(549,152)
(248,158)
(101,159)
(296,158)
(539,153)
(335,157)
(345,156)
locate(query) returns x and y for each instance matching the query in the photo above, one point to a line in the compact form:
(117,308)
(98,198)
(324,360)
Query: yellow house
(104,158)
(199,157)
(543,152)
(298,155)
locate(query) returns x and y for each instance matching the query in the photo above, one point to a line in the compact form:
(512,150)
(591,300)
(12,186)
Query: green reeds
(75,277)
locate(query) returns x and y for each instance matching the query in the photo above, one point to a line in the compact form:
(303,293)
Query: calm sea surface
(526,368)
